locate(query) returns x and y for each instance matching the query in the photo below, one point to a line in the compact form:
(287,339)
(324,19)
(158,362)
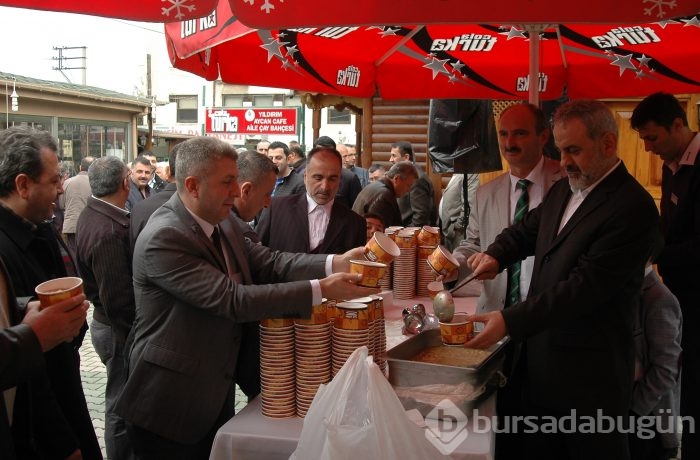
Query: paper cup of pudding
(457,331)
(319,315)
(55,290)
(372,272)
(352,315)
(380,248)
(274,323)
(428,236)
(442,261)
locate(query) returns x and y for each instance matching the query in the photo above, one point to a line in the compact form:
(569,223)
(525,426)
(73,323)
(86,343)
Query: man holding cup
(29,186)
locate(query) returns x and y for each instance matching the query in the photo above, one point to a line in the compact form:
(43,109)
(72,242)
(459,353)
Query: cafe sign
(251,120)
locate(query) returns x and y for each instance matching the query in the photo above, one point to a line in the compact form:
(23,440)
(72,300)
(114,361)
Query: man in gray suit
(195,283)
(523,134)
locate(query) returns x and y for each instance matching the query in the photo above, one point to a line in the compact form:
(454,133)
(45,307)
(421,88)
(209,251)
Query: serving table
(251,436)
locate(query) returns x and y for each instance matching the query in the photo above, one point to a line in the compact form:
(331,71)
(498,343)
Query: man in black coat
(591,238)
(34,253)
(314,222)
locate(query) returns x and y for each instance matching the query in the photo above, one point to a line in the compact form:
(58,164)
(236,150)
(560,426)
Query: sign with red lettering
(274,120)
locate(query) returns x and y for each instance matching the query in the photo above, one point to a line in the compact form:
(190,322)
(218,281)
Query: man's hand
(344,286)
(483,266)
(495,329)
(341,262)
(60,322)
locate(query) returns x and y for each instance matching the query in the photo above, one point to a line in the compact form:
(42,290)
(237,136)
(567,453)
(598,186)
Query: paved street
(94,379)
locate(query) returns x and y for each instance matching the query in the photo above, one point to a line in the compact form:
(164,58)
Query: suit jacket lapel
(300,221)
(176,204)
(335,227)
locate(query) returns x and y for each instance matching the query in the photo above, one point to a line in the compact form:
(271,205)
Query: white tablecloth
(251,436)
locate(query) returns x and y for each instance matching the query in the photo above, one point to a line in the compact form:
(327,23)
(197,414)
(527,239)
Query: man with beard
(591,238)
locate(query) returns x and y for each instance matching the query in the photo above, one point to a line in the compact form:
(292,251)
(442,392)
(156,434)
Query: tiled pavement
(94,379)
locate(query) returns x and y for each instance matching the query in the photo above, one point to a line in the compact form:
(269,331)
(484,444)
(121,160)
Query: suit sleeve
(614,254)
(662,326)
(20,355)
(263,226)
(421,203)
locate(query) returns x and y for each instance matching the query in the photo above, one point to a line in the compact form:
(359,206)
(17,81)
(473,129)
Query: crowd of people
(180,268)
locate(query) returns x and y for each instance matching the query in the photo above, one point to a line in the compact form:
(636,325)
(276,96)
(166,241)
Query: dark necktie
(521,208)
(216,239)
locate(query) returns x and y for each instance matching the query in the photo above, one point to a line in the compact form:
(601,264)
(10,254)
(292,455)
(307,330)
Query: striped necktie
(521,208)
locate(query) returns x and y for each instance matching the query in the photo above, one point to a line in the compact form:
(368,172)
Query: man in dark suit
(256,176)
(314,222)
(31,423)
(591,237)
(141,171)
(34,253)
(350,185)
(417,207)
(194,276)
(663,126)
(142,210)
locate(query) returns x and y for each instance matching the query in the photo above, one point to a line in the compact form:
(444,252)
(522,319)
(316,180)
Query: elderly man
(314,222)
(591,237)
(523,134)
(193,284)
(34,253)
(104,261)
(663,126)
(380,197)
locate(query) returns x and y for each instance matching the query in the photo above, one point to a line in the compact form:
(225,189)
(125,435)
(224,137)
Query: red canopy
(444,61)
(269,14)
(141,10)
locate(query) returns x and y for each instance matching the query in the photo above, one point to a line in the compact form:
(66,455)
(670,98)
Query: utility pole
(149,138)
(65,61)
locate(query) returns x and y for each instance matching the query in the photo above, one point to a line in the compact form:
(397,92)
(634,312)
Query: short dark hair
(405,148)
(297,150)
(20,153)
(325,141)
(172,159)
(374,215)
(661,108)
(142,160)
(376,166)
(252,167)
(279,145)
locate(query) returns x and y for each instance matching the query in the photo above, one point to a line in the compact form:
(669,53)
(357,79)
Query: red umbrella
(444,61)
(268,14)
(142,10)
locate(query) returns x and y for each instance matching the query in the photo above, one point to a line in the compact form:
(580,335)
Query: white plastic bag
(357,416)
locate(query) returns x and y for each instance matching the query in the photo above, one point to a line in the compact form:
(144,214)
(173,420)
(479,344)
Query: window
(338,118)
(186,108)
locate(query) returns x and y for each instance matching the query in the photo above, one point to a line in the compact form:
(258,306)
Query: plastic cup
(55,290)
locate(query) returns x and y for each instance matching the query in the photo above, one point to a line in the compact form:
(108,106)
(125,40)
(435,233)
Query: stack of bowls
(380,333)
(350,331)
(405,265)
(312,344)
